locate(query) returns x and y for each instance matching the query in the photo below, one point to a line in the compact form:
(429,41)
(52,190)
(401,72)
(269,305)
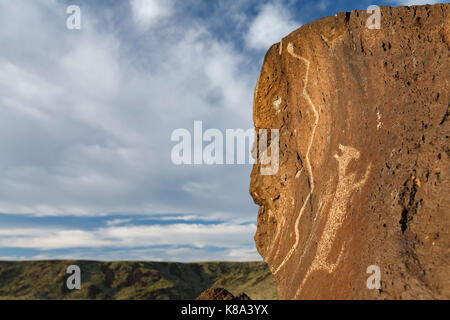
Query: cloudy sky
(86,118)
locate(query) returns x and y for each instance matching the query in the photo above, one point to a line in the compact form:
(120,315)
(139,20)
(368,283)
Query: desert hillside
(134,280)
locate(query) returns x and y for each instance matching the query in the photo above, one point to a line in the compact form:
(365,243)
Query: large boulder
(363,175)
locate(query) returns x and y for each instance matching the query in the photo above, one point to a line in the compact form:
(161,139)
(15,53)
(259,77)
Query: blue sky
(86,117)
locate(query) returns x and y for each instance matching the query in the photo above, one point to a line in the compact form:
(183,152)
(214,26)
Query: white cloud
(148,13)
(186,217)
(271,24)
(243,254)
(115,222)
(201,189)
(49,238)
(182,254)
(85,123)
(13,258)
(92,65)
(226,235)
(85,127)
(25,92)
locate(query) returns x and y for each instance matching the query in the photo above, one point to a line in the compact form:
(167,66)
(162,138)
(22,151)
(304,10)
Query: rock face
(221,294)
(363,175)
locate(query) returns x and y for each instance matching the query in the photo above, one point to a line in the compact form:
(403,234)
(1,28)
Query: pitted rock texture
(363,173)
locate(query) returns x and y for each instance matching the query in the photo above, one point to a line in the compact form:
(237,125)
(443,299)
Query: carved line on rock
(345,187)
(277,235)
(297,175)
(290,49)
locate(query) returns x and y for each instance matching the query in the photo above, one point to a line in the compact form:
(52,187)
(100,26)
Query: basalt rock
(363,175)
(221,294)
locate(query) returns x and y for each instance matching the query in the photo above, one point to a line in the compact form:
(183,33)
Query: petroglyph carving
(290,49)
(379,123)
(347,184)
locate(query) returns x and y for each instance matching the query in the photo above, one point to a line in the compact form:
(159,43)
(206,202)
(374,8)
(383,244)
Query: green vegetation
(133,280)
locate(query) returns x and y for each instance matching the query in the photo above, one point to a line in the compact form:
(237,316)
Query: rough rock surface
(363,173)
(221,294)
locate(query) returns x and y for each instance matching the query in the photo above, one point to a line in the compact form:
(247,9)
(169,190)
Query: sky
(86,117)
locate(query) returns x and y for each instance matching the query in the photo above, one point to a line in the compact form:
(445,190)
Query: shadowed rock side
(364,156)
(221,294)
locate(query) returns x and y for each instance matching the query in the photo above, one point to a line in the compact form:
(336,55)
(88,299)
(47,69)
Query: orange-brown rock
(363,173)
